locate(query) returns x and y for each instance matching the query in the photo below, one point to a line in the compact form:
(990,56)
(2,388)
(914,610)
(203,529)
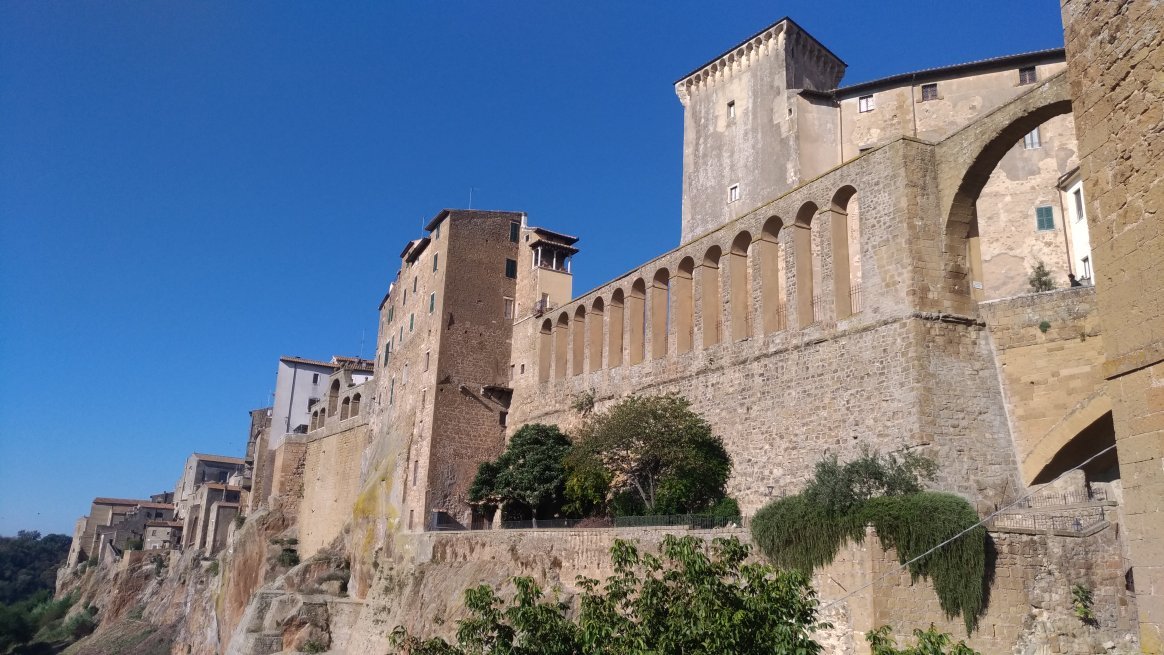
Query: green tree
(929,642)
(661,457)
(1040,279)
(696,597)
(529,472)
(29,563)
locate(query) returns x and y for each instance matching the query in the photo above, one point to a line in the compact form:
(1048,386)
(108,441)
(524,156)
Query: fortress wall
(287,477)
(331,481)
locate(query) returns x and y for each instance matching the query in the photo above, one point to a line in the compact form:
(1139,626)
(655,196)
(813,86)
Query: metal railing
(855,298)
(684,521)
(1079,497)
(1078,522)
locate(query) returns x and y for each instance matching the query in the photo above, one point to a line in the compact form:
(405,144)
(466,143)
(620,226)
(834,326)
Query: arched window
(579,338)
(356,405)
(740,299)
(345,408)
(711,305)
(683,308)
(846,242)
(638,326)
(545,350)
(333,397)
(806,266)
(561,345)
(314,420)
(595,337)
(771,275)
(614,334)
(660,297)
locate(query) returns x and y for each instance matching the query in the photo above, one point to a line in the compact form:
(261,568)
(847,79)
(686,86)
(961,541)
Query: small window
(509,308)
(733,193)
(502,417)
(435,256)
(436,232)
(387,351)
(414,285)
(1045,218)
(1086,267)
(427,354)
(511,370)
(865,104)
(410,513)
(1031,140)
(315,378)
(1079,213)
(929,92)
(415,470)
(405,298)
(391,312)
(521,371)
(732,110)
(1028,75)
(401,334)
(392,391)
(514,231)
(511,268)
(411,322)
(431,302)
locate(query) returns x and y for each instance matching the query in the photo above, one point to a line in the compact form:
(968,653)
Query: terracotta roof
(118,501)
(220,459)
(939,72)
(302,360)
(559,237)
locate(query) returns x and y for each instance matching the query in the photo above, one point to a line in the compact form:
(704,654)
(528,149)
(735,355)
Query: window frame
(734,193)
(431,302)
(511,268)
(1033,140)
(929,92)
(435,258)
(514,231)
(731,110)
(866,104)
(509,307)
(1049,214)
(1028,75)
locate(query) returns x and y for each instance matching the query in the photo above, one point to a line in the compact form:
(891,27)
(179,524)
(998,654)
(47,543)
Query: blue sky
(189,190)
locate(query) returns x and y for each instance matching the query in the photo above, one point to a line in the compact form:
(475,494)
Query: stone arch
(322,418)
(740,296)
(561,345)
(314,420)
(711,306)
(333,397)
(545,349)
(846,250)
(807,265)
(660,312)
(615,333)
(638,321)
(683,305)
(356,405)
(1072,440)
(594,345)
(345,408)
(771,258)
(578,336)
(965,161)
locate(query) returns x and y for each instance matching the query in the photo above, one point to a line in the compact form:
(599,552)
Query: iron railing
(1078,497)
(685,521)
(1077,522)
(855,298)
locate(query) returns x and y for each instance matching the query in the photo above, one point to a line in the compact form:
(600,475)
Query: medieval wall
(331,481)
(287,476)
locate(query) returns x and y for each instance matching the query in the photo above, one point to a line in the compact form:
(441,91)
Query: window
(436,232)
(511,369)
(732,110)
(427,353)
(509,308)
(392,392)
(1086,267)
(733,193)
(411,322)
(391,312)
(401,334)
(1028,75)
(1045,218)
(435,255)
(315,378)
(1031,140)
(514,231)
(387,351)
(410,513)
(865,104)
(1079,215)
(414,285)
(404,376)
(929,92)
(405,298)
(415,468)
(431,302)
(501,418)
(511,268)
(521,371)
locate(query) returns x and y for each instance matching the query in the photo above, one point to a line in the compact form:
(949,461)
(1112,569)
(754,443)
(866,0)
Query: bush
(288,558)
(727,507)
(80,625)
(239,520)
(92,561)
(313,647)
(133,544)
(528,473)
(212,569)
(929,642)
(1040,279)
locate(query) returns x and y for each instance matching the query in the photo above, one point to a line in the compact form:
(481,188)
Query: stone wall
(331,481)
(1115,57)
(287,476)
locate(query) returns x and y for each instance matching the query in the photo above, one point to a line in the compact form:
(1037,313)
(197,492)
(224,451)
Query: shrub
(288,558)
(727,507)
(1040,279)
(212,569)
(239,520)
(92,561)
(313,646)
(929,642)
(133,544)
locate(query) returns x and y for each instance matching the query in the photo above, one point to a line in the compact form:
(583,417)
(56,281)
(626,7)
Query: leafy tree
(29,563)
(661,457)
(1040,279)
(529,472)
(694,598)
(929,642)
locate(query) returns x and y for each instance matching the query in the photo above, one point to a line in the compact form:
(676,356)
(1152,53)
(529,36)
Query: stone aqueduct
(780,276)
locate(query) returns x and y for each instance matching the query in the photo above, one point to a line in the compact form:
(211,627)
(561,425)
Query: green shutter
(1044,218)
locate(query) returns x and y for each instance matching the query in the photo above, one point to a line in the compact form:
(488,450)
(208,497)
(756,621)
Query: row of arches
(617,328)
(349,407)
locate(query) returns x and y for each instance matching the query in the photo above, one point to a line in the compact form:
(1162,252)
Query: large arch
(740,295)
(579,337)
(683,306)
(965,161)
(1046,456)
(333,397)
(638,321)
(345,408)
(356,405)
(545,350)
(594,345)
(806,265)
(845,237)
(660,293)
(561,345)
(771,267)
(615,333)
(711,306)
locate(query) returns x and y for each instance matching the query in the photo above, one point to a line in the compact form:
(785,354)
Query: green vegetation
(212,569)
(528,474)
(239,520)
(1081,603)
(1040,279)
(807,530)
(29,563)
(133,544)
(39,624)
(695,597)
(313,647)
(929,642)
(289,557)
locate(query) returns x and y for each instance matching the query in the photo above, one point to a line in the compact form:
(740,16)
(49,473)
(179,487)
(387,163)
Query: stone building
(116,522)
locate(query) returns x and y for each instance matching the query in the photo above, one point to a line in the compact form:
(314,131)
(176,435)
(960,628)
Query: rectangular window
(436,232)
(431,302)
(733,193)
(414,285)
(427,353)
(1045,218)
(512,367)
(435,255)
(929,92)
(865,104)
(511,268)
(509,308)
(1087,267)
(502,417)
(514,231)
(392,391)
(401,334)
(1028,75)
(521,371)
(411,322)
(732,110)
(415,469)
(387,351)
(391,312)
(410,517)
(315,378)
(1031,140)
(1079,215)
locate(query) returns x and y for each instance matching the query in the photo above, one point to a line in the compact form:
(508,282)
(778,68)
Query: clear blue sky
(190,189)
